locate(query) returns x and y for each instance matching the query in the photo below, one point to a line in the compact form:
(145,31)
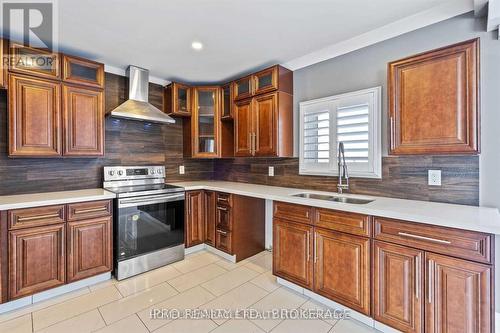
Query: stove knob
(111,173)
(120,172)
(160,171)
(152,171)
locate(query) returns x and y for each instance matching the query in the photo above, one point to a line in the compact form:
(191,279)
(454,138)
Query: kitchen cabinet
(210,224)
(3,65)
(89,248)
(292,252)
(459,295)
(398,279)
(195,223)
(342,268)
(83,119)
(34,62)
(82,72)
(434,101)
(178,100)
(34,117)
(275,78)
(36,259)
(266,80)
(263,126)
(243,88)
(227,102)
(206,122)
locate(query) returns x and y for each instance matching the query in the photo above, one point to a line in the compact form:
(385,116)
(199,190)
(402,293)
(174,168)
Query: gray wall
(366,68)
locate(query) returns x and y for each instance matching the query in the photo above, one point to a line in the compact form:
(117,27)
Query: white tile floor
(203,280)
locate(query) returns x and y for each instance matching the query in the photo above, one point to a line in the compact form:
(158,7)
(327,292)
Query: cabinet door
(3,66)
(36,259)
(243,139)
(342,268)
(83,117)
(34,117)
(433,101)
(265,125)
(459,295)
(89,248)
(223,217)
(243,88)
(227,102)
(266,80)
(195,224)
(397,286)
(292,251)
(82,71)
(210,217)
(33,61)
(206,122)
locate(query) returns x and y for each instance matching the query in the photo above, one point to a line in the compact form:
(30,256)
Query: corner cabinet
(434,101)
(177,100)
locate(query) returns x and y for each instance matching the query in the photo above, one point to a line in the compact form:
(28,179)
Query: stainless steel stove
(149,219)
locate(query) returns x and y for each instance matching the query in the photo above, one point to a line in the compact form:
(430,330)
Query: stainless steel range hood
(137,106)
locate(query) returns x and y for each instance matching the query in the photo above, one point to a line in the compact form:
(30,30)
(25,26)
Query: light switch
(271,171)
(181,169)
(434,177)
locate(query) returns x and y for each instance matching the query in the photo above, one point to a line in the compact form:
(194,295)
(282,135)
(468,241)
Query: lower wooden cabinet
(89,248)
(210,202)
(195,219)
(458,295)
(398,286)
(292,252)
(224,240)
(36,259)
(342,268)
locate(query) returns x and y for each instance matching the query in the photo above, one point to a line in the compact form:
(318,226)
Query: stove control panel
(133,172)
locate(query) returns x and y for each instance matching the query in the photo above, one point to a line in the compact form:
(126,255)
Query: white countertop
(455,216)
(53,198)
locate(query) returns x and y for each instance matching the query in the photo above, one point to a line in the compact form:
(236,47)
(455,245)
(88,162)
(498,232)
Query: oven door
(149,223)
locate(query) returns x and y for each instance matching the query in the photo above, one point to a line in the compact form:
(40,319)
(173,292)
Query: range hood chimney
(137,106)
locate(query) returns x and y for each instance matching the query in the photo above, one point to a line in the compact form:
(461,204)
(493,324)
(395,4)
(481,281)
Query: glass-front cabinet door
(83,71)
(206,122)
(227,102)
(243,88)
(266,80)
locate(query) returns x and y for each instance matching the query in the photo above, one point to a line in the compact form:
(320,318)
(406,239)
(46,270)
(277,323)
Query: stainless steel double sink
(335,198)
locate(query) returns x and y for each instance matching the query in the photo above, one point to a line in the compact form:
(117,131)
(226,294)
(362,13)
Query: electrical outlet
(271,171)
(181,169)
(434,177)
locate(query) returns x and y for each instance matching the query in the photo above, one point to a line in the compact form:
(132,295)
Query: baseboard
(229,257)
(44,295)
(193,249)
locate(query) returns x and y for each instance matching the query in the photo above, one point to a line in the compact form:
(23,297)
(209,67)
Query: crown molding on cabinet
(422,19)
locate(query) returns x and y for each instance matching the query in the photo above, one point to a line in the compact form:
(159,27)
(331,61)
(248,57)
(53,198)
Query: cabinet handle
(315,250)
(253,144)
(308,245)
(417,277)
(430,283)
(91,210)
(38,217)
(222,208)
(440,241)
(393,135)
(222,232)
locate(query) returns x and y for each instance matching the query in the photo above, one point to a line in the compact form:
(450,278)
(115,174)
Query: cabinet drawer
(88,210)
(224,241)
(293,212)
(454,242)
(351,223)
(223,217)
(34,217)
(224,199)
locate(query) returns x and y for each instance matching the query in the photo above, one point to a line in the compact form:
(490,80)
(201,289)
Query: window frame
(374,132)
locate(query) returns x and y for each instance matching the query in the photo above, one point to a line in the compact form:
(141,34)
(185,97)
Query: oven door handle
(150,200)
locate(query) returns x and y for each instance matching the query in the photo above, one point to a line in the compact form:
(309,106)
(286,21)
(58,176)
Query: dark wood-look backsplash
(403,177)
(127,142)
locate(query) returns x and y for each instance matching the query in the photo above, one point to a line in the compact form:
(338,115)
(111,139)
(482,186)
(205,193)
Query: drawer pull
(222,208)
(38,217)
(222,232)
(440,241)
(91,210)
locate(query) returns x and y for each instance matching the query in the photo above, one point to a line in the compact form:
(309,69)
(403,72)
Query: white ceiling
(238,35)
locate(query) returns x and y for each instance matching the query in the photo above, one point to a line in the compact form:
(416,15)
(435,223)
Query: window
(352,118)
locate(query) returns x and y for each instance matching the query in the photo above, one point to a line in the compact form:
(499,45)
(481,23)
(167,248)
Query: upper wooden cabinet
(264,126)
(4,50)
(34,117)
(82,71)
(206,122)
(32,61)
(226,105)
(83,117)
(178,100)
(276,78)
(434,101)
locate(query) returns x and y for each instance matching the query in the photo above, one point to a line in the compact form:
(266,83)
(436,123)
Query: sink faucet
(342,170)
